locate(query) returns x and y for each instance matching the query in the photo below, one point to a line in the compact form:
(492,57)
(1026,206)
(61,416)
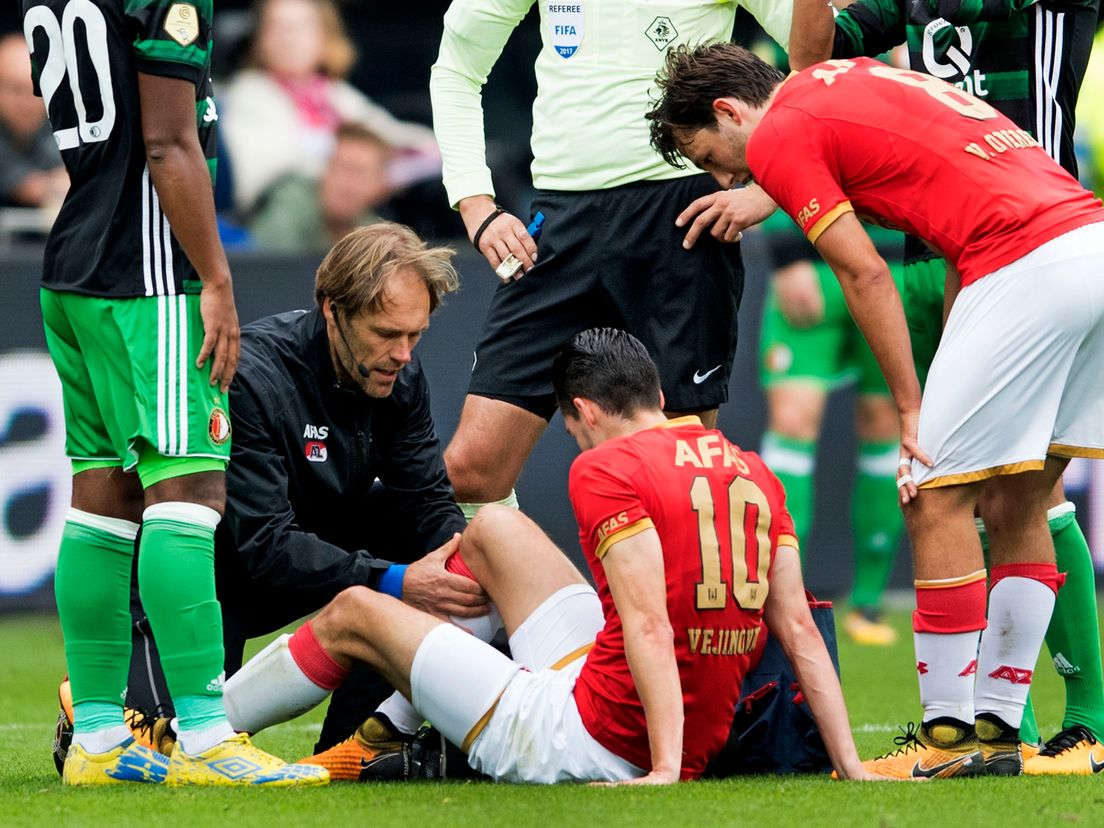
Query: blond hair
(354,273)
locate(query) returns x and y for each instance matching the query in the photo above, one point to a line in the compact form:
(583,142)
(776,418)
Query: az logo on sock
(1012,674)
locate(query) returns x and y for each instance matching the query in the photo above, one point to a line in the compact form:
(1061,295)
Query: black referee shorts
(614,258)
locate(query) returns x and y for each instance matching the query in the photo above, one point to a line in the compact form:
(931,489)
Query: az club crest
(565,26)
(315,451)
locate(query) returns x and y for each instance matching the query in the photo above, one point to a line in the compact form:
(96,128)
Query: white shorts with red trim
(1019,372)
(517,719)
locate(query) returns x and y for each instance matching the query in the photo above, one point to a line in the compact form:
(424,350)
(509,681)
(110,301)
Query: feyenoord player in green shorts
(808,347)
(140,322)
(1027,59)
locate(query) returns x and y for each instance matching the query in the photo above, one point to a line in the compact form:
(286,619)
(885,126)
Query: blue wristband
(391,582)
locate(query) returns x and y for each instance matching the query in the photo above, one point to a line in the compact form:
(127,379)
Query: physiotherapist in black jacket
(325,403)
(335,476)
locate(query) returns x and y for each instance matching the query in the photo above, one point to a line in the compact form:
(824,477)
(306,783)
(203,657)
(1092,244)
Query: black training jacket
(299,521)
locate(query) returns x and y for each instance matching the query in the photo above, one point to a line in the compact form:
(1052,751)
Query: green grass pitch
(881,693)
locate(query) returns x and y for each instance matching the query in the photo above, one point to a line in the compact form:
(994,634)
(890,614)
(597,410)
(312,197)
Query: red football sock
(316,664)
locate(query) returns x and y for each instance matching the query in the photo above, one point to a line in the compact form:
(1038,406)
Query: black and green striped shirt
(112,238)
(1025,58)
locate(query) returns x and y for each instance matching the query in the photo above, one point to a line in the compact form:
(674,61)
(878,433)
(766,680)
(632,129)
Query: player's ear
(662,400)
(727,108)
(588,411)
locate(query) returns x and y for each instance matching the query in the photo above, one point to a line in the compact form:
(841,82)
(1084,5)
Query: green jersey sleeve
(868,28)
(172,39)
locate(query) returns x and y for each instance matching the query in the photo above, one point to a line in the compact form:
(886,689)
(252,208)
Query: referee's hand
(504,235)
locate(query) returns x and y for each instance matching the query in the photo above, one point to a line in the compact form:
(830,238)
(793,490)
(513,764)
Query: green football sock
(92,588)
(469,509)
(1073,637)
(876,521)
(793,462)
(176,578)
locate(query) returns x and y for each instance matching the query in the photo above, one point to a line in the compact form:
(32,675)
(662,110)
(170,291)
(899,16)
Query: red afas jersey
(910,152)
(720,515)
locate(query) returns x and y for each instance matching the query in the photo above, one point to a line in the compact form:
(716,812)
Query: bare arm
(180,176)
(787,617)
(812,33)
(634,568)
(876,308)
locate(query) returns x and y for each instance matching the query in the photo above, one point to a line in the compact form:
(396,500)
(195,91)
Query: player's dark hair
(609,367)
(691,79)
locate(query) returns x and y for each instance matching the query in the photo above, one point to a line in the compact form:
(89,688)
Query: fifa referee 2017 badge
(565,25)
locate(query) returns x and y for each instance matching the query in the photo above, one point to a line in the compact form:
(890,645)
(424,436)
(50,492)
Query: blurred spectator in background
(283,111)
(1090,118)
(301,214)
(31,172)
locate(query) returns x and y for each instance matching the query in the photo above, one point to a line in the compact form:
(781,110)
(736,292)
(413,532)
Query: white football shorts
(517,719)
(1019,372)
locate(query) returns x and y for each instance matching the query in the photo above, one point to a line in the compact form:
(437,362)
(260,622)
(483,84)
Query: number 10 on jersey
(749,543)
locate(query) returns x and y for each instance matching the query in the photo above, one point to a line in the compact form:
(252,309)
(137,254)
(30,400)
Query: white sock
(195,742)
(401,713)
(946,663)
(269,689)
(1019,613)
(101,741)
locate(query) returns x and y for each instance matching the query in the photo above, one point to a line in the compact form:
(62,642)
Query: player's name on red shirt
(711,641)
(720,515)
(910,152)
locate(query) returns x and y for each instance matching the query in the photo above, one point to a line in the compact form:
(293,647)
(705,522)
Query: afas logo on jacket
(315,449)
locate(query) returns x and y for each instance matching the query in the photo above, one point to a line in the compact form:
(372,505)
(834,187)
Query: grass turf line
(880,685)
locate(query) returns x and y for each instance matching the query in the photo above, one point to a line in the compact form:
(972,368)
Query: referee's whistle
(509,268)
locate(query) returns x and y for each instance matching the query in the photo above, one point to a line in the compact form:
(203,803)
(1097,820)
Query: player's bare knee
(341,621)
(1007,505)
(932,508)
(353,602)
(473,478)
(490,531)
(204,489)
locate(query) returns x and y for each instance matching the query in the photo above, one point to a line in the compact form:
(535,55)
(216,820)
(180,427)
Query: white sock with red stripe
(945,666)
(1021,601)
(286,679)
(947,624)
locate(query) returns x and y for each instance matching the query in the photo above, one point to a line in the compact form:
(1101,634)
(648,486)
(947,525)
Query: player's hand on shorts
(800,299)
(910,450)
(725,214)
(221,337)
(504,236)
(430,587)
